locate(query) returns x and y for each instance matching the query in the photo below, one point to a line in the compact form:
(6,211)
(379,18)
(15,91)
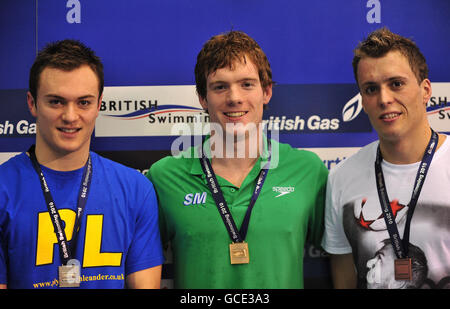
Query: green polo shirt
(288,211)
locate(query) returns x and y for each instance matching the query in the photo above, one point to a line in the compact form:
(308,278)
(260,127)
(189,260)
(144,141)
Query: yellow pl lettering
(94,230)
(92,255)
(47,237)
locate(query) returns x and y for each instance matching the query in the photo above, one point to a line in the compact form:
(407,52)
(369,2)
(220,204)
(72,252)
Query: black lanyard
(235,235)
(401,246)
(66,250)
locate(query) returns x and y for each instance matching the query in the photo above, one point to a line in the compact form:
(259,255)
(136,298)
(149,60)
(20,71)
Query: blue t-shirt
(118,235)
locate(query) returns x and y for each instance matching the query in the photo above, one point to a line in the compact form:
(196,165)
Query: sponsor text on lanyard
(402,264)
(239,253)
(68,272)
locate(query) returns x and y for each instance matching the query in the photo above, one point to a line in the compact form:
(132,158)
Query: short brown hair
(382,41)
(223,50)
(65,55)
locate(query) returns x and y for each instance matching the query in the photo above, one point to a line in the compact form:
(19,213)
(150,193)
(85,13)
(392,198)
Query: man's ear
(31,102)
(100,102)
(203,102)
(267,91)
(426,89)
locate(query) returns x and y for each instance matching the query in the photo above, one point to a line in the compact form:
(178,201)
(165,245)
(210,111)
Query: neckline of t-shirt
(443,149)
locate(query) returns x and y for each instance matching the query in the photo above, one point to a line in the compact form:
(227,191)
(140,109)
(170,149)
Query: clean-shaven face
(235,96)
(392,97)
(66,109)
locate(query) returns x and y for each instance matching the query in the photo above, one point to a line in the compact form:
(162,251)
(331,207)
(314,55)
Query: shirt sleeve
(3,273)
(145,250)
(162,222)
(3,247)
(316,221)
(334,240)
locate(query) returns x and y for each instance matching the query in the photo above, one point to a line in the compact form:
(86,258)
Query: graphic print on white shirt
(355,223)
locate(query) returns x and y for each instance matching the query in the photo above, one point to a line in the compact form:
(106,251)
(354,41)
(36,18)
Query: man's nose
(234,95)
(385,96)
(70,112)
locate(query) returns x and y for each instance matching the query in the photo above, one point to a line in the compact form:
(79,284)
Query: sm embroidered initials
(193,199)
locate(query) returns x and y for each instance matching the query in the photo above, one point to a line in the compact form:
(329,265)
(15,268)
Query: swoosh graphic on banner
(436,109)
(164,109)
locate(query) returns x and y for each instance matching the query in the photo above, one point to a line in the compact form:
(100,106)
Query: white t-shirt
(354,221)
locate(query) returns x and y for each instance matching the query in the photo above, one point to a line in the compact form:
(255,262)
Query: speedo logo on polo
(195,198)
(283,190)
(200,197)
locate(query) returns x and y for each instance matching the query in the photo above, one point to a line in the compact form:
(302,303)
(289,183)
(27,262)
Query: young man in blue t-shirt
(68,217)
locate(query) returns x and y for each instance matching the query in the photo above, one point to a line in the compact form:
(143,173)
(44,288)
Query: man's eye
(397,84)
(55,102)
(370,89)
(219,87)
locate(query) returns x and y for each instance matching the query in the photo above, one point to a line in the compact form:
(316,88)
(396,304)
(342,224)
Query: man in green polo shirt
(238,210)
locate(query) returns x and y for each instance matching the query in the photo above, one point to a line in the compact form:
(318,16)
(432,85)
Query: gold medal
(69,276)
(239,253)
(403,269)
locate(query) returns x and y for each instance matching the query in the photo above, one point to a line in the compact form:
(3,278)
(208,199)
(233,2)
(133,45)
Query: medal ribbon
(217,194)
(66,249)
(401,246)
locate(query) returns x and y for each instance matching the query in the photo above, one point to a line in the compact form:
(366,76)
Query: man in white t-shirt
(401,180)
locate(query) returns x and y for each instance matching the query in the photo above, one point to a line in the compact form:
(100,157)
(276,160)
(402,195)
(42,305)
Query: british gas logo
(352,108)
(317,108)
